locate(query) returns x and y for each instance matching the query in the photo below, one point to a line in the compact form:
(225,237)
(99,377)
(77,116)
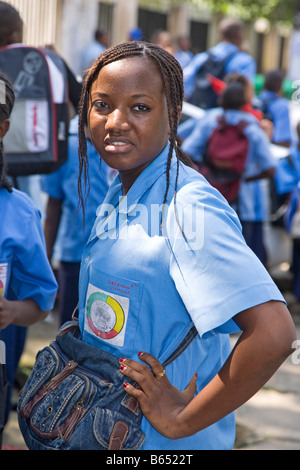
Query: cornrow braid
(6,106)
(172,77)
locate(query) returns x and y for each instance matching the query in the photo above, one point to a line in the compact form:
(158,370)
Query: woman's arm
(266,341)
(20,312)
(53,216)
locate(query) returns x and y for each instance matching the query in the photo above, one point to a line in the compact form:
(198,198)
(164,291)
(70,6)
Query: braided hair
(172,77)
(6,106)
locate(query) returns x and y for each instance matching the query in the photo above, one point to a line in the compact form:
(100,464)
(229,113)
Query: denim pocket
(78,403)
(113,432)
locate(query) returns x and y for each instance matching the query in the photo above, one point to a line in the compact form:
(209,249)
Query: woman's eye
(141,108)
(100,105)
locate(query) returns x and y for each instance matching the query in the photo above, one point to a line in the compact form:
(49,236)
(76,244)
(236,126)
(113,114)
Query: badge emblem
(105,315)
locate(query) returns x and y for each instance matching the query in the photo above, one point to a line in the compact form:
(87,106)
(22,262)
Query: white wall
(79,19)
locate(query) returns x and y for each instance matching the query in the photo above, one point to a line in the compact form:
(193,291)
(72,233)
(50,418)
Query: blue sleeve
(190,71)
(244,64)
(281,119)
(208,265)
(32,276)
(186,128)
(51,184)
(195,143)
(260,157)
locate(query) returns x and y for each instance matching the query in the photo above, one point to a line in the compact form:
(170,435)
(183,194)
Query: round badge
(105,315)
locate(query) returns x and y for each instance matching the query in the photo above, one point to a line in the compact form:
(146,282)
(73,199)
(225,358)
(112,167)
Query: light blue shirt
(183,57)
(90,54)
(278,108)
(25,272)
(240,62)
(252,204)
(142,288)
(63,184)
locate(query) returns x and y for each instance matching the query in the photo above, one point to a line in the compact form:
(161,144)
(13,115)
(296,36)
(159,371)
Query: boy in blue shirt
(276,108)
(231,47)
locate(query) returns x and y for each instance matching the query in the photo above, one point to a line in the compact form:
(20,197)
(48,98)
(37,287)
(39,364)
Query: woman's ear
(4,126)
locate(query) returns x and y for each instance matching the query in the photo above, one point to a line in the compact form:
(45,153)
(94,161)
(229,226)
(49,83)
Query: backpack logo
(32,64)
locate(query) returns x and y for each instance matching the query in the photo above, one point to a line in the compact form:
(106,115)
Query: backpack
(225,158)
(263,106)
(37,141)
(204,95)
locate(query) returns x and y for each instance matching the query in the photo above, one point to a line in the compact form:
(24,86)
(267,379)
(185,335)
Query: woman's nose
(118,120)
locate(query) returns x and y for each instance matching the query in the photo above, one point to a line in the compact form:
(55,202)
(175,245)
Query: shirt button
(87,259)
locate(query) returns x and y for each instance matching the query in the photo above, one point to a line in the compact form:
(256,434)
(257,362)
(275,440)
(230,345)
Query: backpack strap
(192,333)
(182,347)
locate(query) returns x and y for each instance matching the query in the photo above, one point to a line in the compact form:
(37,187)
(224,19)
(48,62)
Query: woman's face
(128,116)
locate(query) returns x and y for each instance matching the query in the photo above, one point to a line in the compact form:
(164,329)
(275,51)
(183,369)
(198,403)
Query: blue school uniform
(239,62)
(143,286)
(25,272)
(279,112)
(252,204)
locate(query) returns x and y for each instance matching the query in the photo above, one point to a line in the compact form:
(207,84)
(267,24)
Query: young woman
(27,284)
(166,253)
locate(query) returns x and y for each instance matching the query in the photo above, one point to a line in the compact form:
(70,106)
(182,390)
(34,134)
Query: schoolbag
(204,95)
(37,141)
(225,158)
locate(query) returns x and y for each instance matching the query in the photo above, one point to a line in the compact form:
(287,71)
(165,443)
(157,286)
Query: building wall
(40,20)
(70,24)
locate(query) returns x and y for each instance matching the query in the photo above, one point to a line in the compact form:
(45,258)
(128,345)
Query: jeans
(74,399)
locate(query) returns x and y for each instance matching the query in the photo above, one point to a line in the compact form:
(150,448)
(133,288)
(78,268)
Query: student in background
(251,202)
(28,286)
(94,49)
(276,108)
(228,52)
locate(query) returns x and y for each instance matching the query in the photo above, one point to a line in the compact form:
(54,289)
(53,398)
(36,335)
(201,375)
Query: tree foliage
(274,10)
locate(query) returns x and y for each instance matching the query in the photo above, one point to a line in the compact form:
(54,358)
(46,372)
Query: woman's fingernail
(123,367)
(122,359)
(140,353)
(125,384)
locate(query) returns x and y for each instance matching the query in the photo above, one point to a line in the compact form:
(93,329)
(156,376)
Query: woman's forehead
(137,71)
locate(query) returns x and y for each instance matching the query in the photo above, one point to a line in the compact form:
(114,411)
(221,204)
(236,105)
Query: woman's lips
(117,146)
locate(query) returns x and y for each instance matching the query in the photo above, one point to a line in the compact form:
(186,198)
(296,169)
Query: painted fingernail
(140,353)
(123,367)
(125,384)
(122,359)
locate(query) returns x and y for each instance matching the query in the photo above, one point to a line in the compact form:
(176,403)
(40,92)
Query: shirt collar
(114,200)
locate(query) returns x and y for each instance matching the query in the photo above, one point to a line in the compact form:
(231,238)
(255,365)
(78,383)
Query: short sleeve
(32,276)
(215,273)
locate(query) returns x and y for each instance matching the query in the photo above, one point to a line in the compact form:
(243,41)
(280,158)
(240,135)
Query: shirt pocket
(112,309)
(5,270)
